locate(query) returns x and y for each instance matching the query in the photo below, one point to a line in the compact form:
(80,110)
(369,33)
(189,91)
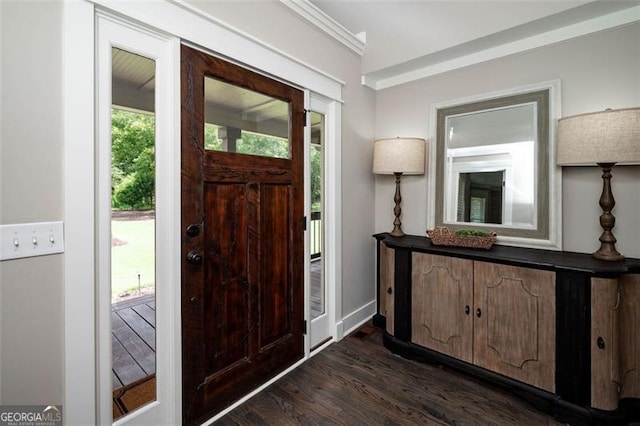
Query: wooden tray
(442,236)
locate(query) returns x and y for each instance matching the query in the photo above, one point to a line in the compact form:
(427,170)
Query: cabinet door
(387,278)
(629,341)
(605,356)
(515,326)
(442,297)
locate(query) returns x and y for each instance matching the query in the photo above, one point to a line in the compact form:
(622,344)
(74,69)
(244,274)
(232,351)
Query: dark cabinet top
(518,256)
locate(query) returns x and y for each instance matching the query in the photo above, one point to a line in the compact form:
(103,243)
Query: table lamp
(604,138)
(398,156)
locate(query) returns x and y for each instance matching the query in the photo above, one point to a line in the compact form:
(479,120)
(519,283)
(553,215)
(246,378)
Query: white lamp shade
(399,155)
(611,136)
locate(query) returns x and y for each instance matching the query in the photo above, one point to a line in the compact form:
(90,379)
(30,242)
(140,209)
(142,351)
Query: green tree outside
(132,160)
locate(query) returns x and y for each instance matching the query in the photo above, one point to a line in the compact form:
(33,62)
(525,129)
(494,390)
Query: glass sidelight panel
(245,122)
(318,290)
(133,231)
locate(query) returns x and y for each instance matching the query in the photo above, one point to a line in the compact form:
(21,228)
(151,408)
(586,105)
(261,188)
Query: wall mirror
(495,167)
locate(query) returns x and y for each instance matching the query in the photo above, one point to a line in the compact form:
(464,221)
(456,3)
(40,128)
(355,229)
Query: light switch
(31,239)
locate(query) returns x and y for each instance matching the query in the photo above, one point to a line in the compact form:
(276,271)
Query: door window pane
(243,121)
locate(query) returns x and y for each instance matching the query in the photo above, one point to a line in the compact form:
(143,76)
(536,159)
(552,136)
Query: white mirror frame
(554,239)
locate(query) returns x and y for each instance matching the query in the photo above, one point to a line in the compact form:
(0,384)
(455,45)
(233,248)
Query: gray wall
(597,71)
(31,181)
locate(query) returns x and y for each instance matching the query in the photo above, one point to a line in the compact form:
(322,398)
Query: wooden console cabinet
(558,329)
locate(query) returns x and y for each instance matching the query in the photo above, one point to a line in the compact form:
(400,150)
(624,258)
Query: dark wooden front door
(242,232)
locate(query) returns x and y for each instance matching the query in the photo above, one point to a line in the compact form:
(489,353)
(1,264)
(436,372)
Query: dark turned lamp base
(607,250)
(397,210)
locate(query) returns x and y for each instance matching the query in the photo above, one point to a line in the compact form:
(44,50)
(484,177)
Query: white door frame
(165,51)
(182,21)
(79,226)
(324,326)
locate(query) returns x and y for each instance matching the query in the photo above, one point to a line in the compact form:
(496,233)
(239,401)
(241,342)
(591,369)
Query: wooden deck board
(124,366)
(139,326)
(134,345)
(149,298)
(115,382)
(148,314)
(316,297)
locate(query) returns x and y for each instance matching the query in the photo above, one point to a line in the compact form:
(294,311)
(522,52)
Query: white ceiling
(403,36)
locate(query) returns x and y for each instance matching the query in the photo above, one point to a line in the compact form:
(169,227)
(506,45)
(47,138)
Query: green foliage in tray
(473,232)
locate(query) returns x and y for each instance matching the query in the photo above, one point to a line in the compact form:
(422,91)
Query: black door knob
(193,230)
(194,257)
(389,290)
(478,313)
(467,309)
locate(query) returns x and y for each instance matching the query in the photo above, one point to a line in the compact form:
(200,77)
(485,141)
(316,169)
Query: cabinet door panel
(515,331)
(605,367)
(442,289)
(387,278)
(629,341)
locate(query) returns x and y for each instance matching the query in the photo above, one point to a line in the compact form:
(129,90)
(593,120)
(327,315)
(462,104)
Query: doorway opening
(242,231)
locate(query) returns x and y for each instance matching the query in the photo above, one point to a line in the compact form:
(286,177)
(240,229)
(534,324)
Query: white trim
(356,319)
(79,311)
(320,348)
(333,213)
(330,26)
(323,327)
(554,242)
(165,51)
(386,78)
(187,22)
(307,214)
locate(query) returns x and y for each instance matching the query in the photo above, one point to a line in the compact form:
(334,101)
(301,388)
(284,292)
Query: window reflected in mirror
(480,197)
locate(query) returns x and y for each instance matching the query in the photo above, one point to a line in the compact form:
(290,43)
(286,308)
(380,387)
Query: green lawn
(133,253)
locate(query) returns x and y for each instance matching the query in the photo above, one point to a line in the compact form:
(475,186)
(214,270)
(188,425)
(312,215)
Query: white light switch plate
(31,239)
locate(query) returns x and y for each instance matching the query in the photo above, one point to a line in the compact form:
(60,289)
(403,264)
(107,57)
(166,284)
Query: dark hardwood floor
(358,382)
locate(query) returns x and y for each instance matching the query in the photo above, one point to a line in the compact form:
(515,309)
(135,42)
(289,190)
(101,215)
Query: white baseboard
(355,319)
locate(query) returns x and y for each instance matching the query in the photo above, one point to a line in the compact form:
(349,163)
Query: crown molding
(317,17)
(400,74)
